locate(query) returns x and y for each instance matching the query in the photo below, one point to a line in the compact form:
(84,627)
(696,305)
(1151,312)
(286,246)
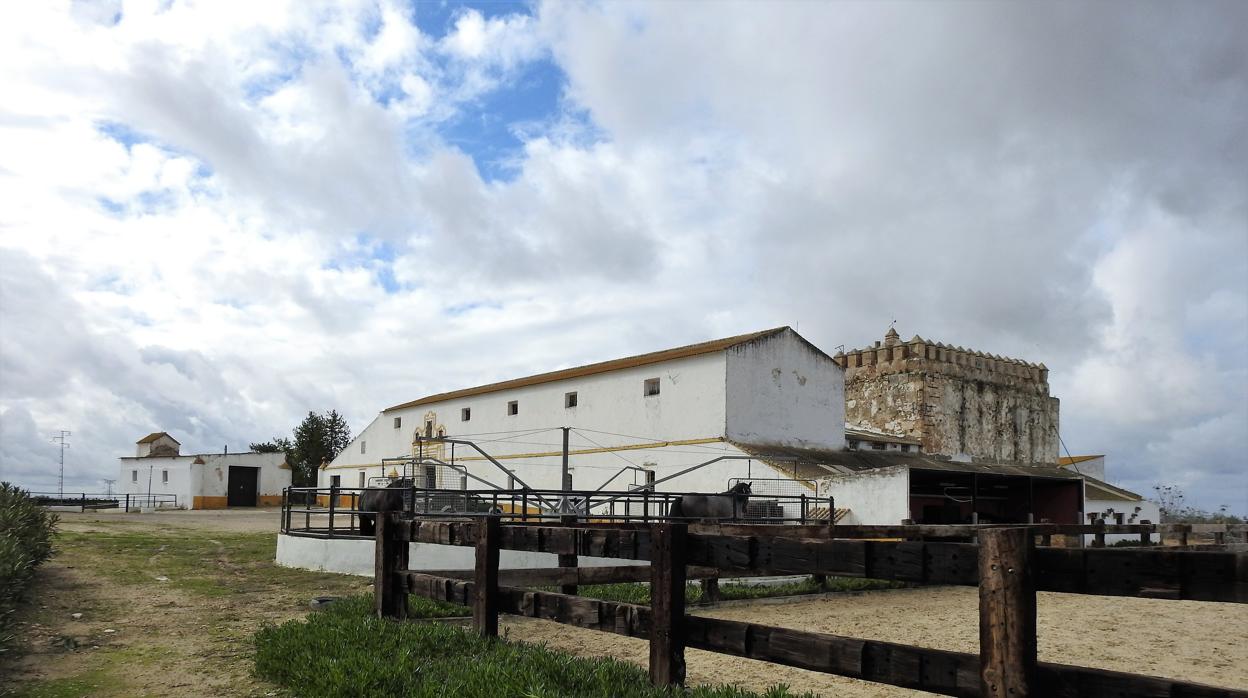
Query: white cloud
(1066,187)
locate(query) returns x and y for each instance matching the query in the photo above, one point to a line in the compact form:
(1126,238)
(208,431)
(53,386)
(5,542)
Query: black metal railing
(86,500)
(328,512)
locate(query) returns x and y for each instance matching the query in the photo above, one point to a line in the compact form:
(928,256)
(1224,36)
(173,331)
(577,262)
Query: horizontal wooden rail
(1148,573)
(558,576)
(933,670)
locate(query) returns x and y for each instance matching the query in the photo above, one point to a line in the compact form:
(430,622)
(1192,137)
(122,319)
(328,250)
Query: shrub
(26,531)
(344,651)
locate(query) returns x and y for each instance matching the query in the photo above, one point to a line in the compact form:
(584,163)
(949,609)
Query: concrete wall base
(355,556)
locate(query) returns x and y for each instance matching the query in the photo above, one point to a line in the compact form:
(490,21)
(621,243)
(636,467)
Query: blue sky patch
(490,129)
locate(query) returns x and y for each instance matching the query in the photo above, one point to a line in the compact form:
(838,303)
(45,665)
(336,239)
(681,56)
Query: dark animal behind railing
(731,505)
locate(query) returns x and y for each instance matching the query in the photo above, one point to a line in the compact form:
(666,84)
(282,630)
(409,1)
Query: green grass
(344,651)
(88,684)
(203,563)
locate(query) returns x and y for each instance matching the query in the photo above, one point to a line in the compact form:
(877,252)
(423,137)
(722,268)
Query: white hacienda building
(203,480)
(632,420)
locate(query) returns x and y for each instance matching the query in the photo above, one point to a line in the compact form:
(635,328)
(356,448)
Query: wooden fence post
(568,560)
(667,604)
(389,591)
(710,590)
(1007,613)
(485,587)
(333,504)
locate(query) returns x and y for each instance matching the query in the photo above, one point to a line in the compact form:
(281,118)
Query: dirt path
(1190,640)
(168,606)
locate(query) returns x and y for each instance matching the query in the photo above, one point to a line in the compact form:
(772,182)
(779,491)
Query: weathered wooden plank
(935,671)
(1007,614)
(1061,681)
(667,605)
(485,582)
(1150,573)
(389,560)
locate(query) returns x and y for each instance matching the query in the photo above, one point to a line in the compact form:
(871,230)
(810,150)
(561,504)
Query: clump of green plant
(26,531)
(346,651)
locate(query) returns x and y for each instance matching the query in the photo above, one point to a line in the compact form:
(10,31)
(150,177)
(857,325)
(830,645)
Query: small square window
(398,422)
(134,476)
(465,414)
(569,400)
(877,446)
(513,408)
(363,446)
(362,477)
(651,387)
(164,477)
(905,448)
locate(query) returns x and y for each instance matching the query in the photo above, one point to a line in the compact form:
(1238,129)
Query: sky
(217,216)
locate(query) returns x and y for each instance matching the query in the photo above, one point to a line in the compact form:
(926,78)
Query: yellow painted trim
(269,500)
(199,502)
(579,452)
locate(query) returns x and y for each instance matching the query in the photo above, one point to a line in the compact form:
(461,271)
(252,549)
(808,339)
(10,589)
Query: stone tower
(956,401)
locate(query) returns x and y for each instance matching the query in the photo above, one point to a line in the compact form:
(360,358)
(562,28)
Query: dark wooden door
(243,486)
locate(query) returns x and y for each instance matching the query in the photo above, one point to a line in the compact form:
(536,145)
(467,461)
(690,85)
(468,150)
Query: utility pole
(109,483)
(61,437)
(567,477)
(568,518)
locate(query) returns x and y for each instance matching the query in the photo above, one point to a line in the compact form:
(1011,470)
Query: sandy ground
(1190,640)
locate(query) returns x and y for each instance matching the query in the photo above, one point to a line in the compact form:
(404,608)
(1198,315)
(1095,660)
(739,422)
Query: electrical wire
(655,439)
(608,451)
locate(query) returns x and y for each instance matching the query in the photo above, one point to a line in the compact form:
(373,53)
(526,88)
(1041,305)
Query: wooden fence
(1006,565)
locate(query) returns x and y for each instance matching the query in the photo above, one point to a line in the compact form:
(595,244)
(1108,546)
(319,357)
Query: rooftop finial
(891,337)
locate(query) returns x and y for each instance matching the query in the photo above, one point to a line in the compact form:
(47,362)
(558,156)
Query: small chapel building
(203,480)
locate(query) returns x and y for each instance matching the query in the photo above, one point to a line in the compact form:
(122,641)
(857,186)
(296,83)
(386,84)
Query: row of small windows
(649,388)
(164,476)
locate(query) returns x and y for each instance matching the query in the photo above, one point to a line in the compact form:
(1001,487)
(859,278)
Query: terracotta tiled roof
(156,435)
(602,367)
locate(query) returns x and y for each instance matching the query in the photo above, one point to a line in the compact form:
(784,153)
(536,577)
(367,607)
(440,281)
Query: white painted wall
(180,477)
(803,406)
(214,473)
(875,497)
(690,405)
(1148,511)
(355,556)
(782,391)
(188,479)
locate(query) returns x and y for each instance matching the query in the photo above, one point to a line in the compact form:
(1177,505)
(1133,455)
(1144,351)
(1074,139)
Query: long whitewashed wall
(689,407)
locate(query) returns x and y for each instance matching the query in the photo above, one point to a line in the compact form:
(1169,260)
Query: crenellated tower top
(896,356)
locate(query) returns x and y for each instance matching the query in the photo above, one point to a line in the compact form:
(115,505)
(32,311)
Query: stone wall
(953,400)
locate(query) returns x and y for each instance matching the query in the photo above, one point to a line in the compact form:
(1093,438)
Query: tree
(318,439)
(278,444)
(1172,502)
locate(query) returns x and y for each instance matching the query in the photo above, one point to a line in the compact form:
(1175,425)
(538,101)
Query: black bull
(728,505)
(375,501)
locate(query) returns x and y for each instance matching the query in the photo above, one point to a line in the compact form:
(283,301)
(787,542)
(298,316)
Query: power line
(62,436)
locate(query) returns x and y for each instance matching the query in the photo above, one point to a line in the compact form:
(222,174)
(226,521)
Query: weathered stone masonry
(954,400)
